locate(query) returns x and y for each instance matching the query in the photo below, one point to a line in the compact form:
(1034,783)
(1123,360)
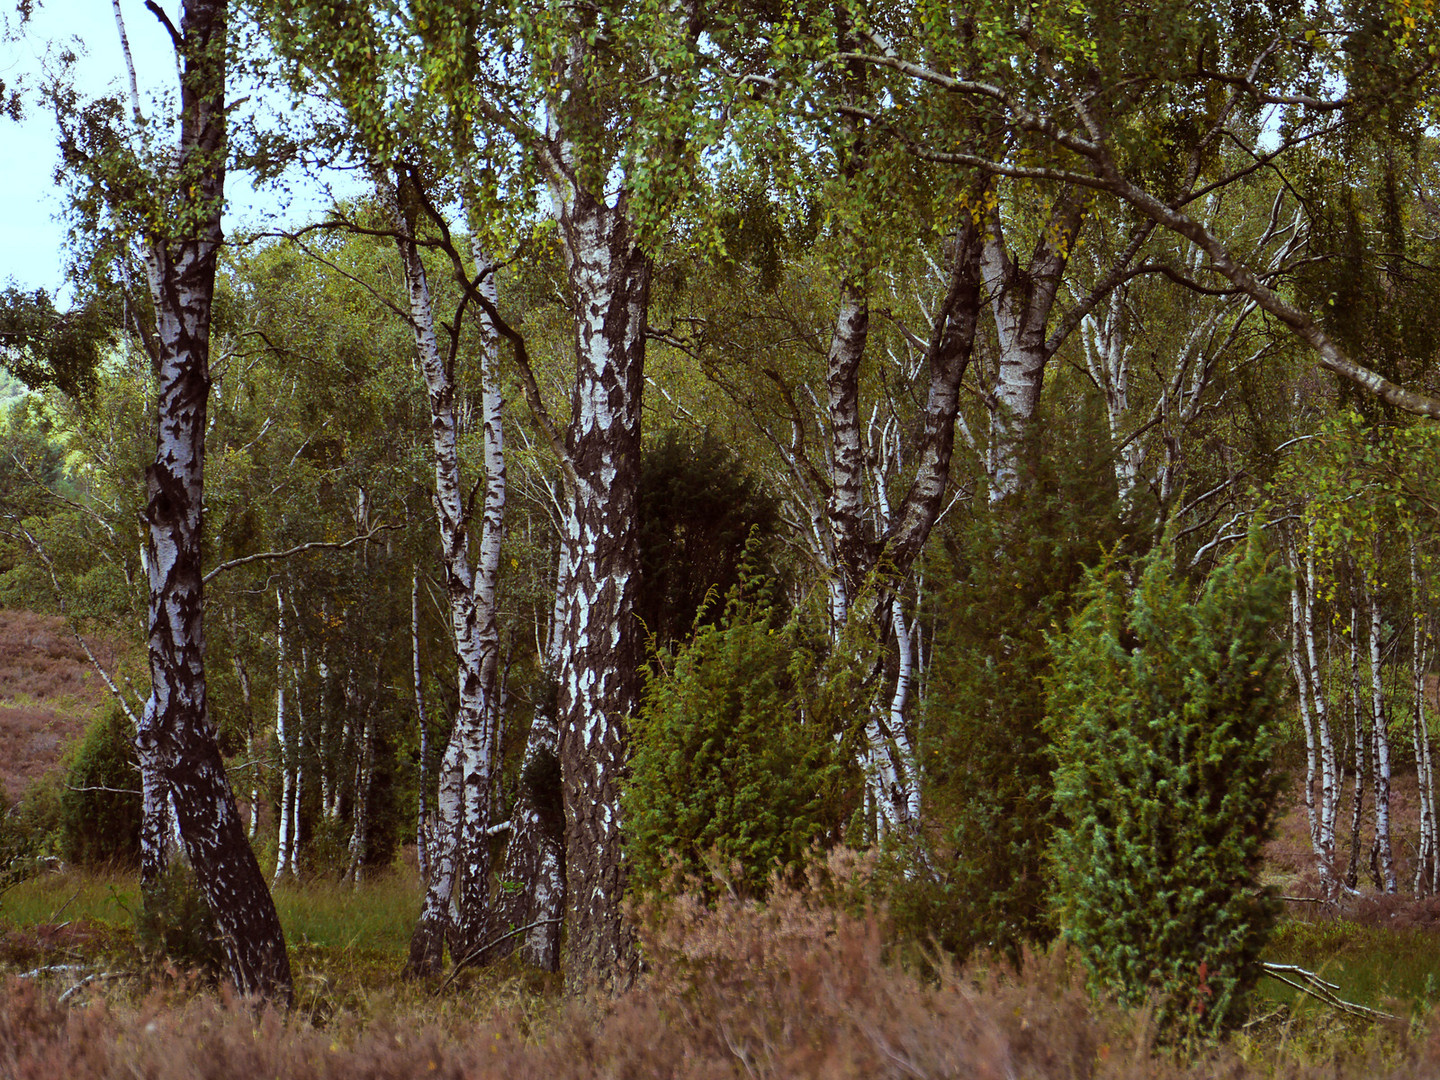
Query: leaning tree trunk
(600,641)
(175,735)
(852,547)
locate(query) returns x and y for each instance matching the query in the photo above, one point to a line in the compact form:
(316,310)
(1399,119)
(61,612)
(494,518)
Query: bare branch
(313,545)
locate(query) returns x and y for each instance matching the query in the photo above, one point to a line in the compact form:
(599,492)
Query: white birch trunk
(283,861)
(1384,852)
(422,818)
(360,807)
(1425,868)
(175,738)
(1107,356)
(1357,717)
(460,867)
(1325,743)
(1302,688)
(599,687)
(1021,300)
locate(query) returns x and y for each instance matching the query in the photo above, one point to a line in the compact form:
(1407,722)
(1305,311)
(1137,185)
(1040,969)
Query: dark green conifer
(1164,713)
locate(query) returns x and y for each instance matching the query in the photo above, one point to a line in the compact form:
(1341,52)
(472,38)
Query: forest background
(951,434)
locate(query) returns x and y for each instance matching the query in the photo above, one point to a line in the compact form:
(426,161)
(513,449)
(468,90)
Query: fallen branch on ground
(1321,990)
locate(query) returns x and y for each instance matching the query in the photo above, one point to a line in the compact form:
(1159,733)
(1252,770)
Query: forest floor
(731,993)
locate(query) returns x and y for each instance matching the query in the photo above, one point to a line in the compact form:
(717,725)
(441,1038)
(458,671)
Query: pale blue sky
(31,234)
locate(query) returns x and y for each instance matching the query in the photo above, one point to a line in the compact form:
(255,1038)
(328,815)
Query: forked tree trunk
(858,536)
(175,737)
(1021,299)
(460,868)
(472,912)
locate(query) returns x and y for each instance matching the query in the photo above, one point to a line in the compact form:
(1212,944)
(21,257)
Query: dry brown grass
(47,691)
(795,990)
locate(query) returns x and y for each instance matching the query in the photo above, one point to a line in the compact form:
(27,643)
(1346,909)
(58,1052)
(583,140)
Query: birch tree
(1073,139)
(172,204)
(613,158)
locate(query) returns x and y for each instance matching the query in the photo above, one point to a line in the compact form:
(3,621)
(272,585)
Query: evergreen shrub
(737,767)
(1165,716)
(101,806)
(974,878)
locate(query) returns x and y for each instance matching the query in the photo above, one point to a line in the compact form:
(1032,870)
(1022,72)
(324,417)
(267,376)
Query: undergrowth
(797,987)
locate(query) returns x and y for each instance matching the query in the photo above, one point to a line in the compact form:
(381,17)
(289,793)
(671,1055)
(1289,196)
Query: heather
(803,985)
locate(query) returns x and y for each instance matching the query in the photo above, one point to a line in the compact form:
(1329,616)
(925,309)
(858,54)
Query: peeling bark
(175,737)
(600,652)
(1021,300)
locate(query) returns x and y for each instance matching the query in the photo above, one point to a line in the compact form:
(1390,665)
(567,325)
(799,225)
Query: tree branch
(314,545)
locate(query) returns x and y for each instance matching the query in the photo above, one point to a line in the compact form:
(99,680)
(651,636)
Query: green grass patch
(377,917)
(1381,968)
(96,896)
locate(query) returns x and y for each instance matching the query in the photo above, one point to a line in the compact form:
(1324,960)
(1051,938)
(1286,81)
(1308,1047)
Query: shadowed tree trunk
(528,911)
(600,642)
(175,736)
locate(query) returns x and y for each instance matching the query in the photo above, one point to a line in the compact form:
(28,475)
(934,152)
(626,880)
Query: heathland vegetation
(826,540)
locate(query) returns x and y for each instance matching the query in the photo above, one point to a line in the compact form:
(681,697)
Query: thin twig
(101,787)
(470,959)
(61,909)
(313,545)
